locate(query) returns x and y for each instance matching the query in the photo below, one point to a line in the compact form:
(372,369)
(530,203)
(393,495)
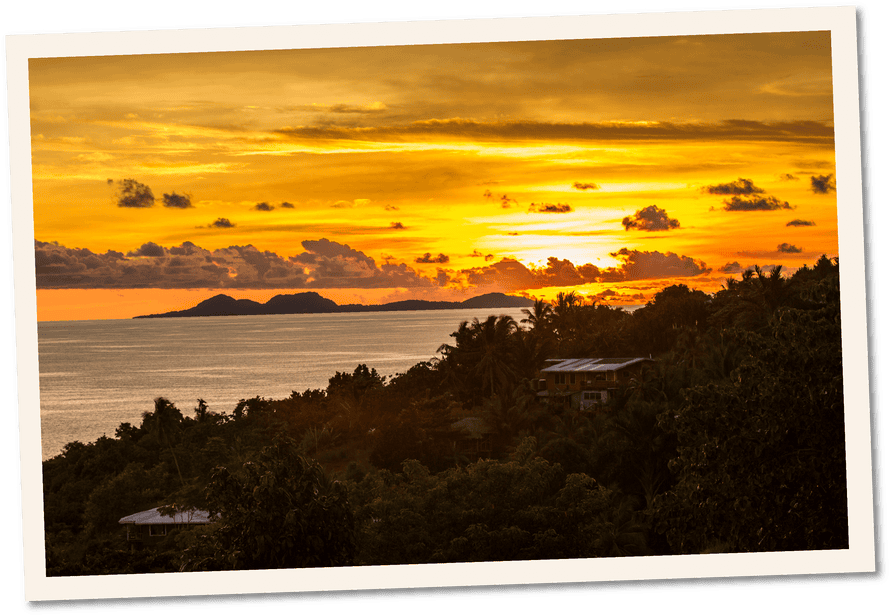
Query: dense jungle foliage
(732,441)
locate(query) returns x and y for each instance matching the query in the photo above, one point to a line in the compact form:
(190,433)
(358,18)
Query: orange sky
(613,167)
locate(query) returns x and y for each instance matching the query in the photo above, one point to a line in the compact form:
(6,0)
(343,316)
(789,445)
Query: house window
(593,396)
(611,375)
(561,378)
(572,378)
(600,376)
(157,530)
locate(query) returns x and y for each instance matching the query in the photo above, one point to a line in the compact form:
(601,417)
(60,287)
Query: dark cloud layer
(753,204)
(429,258)
(642,265)
(131,193)
(286,205)
(323,264)
(550,208)
(325,248)
(823,184)
(651,218)
(342,108)
(176,200)
(471,130)
(798,222)
(148,249)
(263,207)
(222,223)
(396,225)
(511,275)
(740,186)
(789,177)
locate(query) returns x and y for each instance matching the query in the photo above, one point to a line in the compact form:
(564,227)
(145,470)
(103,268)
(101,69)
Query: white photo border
(841,22)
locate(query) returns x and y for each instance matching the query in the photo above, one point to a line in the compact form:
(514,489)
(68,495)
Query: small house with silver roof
(585,382)
(150,526)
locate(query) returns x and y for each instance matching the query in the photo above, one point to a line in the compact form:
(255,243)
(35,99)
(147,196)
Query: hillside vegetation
(732,441)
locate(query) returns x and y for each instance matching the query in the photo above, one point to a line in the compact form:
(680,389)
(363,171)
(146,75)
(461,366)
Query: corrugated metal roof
(594,364)
(153,516)
(474,426)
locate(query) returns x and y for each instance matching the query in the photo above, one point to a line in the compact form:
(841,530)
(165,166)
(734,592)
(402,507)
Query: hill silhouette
(310,302)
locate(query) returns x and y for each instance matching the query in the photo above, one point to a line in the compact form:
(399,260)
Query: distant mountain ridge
(310,302)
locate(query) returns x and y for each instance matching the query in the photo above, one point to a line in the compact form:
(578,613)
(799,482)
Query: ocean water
(94,375)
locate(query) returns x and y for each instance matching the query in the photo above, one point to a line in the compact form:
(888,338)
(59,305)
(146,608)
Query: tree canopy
(731,441)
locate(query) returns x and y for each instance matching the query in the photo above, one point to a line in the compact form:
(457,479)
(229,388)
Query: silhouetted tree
(277,511)
(761,458)
(163,422)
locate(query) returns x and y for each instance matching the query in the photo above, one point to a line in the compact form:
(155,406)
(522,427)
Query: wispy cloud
(429,258)
(505,201)
(550,208)
(740,186)
(740,204)
(585,186)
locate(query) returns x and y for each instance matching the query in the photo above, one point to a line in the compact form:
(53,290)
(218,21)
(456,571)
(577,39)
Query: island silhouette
(312,303)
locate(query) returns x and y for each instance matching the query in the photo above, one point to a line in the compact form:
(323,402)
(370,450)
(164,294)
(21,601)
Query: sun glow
(430,187)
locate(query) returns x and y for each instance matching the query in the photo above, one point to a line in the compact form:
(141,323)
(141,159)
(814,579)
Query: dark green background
(59,15)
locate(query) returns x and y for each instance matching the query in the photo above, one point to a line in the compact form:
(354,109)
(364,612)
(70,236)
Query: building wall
(580,381)
(586,390)
(149,534)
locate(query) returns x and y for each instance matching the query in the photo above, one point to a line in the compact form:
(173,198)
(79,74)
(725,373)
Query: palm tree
(565,316)
(772,287)
(164,421)
(447,369)
(201,411)
(482,362)
(494,366)
(635,450)
(757,296)
(690,347)
(623,533)
(529,352)
(721,358)
(539,317)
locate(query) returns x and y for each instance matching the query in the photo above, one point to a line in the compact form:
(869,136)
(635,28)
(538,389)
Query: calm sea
(94,375)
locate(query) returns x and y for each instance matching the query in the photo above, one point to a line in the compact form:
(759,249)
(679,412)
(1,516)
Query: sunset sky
(612,167)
